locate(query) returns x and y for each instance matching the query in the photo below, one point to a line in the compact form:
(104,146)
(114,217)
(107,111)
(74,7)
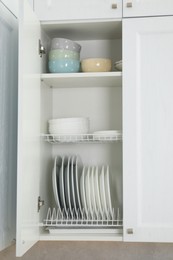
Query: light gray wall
(93,251)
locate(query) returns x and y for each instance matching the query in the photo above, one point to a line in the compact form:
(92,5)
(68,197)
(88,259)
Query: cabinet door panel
(77,9)
(28,130)
(148,128)
(8,125)
(132,8)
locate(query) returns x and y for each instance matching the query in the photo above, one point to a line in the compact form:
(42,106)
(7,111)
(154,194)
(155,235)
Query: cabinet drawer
(48,10)
(137,8)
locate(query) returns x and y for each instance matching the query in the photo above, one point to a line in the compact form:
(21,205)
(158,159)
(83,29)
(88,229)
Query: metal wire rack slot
(56,218)
(87,138)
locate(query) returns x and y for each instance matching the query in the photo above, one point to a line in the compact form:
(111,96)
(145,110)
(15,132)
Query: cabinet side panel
(28,130)
(148,128)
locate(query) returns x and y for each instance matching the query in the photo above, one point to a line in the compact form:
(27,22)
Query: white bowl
(65,44)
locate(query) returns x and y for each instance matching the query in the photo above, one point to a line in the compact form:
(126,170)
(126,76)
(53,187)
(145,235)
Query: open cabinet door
(8,125)
(28,129)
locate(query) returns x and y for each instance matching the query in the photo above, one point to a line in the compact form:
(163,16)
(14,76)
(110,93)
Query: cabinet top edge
(89,21)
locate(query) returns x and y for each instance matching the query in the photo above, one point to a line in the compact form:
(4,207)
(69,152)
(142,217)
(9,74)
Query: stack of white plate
(99,135)
(67,126)
(81,192)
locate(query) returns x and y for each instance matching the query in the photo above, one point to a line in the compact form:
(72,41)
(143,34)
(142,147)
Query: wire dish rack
(81,138)
(60,219)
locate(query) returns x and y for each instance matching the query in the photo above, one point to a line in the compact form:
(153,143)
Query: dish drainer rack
(57,218)
(80,138)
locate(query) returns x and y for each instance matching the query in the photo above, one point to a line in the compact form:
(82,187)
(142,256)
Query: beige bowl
(96,65)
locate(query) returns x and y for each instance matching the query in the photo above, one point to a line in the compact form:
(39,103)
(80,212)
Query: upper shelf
(84,30)
(74,80)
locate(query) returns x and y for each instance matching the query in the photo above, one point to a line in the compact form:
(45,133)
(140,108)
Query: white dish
(107,190)
(99,135)
(74,207)
(69,120)
(118,65)
(69,126)
(102,192)
(93,195)
(78,171)
(67,186)
(61,182)
(68,131)
(97,191)
(55,173)
(82,191)
(88,192)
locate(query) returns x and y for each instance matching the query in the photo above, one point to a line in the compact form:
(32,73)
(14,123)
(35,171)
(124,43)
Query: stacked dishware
(81,192)
(64,56)
(107,134)
(118,65)
(69,126)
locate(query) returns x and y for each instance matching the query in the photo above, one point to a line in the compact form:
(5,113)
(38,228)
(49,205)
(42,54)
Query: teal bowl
(63,54)
(64,66)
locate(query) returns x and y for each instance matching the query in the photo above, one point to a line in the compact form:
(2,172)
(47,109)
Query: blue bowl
(64,66)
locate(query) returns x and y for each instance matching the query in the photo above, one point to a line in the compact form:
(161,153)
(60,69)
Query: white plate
(74,207)
(118,65)
(78,172)
(61,182)
(102,192)
(82,191)
(55,173)
(93,196)
(101,135)
(88,192)
(107,190)
(108,132)
(97,191)
(67,186)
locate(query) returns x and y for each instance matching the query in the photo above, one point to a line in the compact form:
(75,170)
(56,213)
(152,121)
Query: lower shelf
(84,227)
(75,236)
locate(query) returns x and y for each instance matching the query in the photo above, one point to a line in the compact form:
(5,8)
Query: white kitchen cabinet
(145,180)
(52,10)
(43,96)
(148,127)
(137,8)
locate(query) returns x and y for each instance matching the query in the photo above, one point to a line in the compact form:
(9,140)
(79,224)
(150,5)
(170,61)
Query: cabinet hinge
(130,231)
(40,203)
(114,6)
(41,49)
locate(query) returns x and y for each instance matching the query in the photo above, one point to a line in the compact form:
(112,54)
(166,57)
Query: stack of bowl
(69,126)
(64,56)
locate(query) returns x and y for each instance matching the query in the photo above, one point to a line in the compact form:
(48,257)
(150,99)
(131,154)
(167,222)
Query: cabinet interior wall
(102,105)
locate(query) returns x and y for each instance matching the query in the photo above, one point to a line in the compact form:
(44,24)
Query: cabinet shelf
(72,80)
(82,138)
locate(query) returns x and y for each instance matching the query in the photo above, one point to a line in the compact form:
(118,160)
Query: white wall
(13,5)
